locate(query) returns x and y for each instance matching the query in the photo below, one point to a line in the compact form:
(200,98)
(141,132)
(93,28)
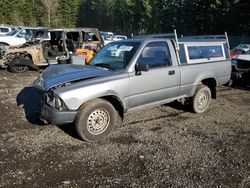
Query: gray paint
(135,92)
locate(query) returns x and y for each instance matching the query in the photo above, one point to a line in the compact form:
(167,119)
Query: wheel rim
(98,121)
(20,68)
(202,100)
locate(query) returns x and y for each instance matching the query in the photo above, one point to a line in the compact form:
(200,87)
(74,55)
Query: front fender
(74,96)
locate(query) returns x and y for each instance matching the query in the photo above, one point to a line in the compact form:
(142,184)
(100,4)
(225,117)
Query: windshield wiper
(104,65)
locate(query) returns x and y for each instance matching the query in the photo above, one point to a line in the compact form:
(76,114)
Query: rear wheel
(95,120)
(18,64)
(201,99)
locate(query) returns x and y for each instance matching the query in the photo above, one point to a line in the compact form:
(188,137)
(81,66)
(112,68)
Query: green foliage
(68,11)
(133,16)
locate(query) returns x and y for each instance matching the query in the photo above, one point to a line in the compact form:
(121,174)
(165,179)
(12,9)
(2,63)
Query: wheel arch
(24,54)
(29,56)
(212,84)
(32,63)
(112,99)
(117,103)
(5,43)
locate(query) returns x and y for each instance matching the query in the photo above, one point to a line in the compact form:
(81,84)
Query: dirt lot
(166,146)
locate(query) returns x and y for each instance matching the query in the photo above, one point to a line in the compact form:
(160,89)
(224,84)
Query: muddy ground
(166,146)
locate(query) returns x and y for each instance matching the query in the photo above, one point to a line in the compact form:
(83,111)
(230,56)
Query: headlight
(234,62)
(54,102)
(39,83)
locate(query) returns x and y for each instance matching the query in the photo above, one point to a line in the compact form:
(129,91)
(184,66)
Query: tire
(16,66)
(201,99)
(3,46)
(95,120)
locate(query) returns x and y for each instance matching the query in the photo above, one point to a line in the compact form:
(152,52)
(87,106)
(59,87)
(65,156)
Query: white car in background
(243,47)
(5,29)
(119,37)
(244,57)
(19,36)
(107,37)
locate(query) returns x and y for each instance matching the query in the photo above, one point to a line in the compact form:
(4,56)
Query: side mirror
(141,67)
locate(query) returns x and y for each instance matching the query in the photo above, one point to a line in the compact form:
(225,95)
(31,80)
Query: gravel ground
(166,146)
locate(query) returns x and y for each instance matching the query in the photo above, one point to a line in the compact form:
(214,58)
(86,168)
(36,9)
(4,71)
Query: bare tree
(51,8)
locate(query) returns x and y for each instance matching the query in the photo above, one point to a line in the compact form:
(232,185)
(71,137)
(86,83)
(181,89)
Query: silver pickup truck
(133,75)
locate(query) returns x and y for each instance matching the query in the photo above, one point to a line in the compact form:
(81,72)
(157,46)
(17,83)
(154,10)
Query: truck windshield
(116,55)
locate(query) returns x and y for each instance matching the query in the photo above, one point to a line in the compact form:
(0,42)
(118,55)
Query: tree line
(132,16)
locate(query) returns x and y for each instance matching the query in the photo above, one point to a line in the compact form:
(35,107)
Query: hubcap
(202,100)
(98,121)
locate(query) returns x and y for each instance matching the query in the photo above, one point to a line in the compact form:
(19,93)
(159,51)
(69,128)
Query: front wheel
(19,64)
(201,99)
(95,120)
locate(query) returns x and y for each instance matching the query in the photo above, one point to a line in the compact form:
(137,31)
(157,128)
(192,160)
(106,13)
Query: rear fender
(200,80)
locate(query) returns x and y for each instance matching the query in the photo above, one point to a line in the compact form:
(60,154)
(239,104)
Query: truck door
(160,82)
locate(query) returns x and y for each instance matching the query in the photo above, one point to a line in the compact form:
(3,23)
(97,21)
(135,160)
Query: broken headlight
(54,101)
(39,83)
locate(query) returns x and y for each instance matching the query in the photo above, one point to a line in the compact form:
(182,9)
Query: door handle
(172,72)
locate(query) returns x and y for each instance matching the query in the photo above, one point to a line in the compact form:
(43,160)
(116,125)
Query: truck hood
(56,75)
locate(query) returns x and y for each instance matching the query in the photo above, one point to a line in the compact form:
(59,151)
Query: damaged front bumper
(238,73)
(57,117)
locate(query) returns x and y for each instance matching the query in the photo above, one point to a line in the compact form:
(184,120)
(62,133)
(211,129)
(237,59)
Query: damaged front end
(28,55)
(57,80)
(241,70)
(53,110)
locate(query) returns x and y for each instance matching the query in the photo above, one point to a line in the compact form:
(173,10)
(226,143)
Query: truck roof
(181,40)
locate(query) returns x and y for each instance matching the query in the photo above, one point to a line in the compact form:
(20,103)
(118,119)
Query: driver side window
(155,54)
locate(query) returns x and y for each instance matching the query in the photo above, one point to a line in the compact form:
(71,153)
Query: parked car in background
(5,29)
(234,53)
(242,47)
(107,36)
(241,68)
(110,35)
(20,36)
(131,75)
(44,52)
(119,37)
(82,37)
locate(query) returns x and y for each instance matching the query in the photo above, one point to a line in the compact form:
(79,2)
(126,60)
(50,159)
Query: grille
(243,64)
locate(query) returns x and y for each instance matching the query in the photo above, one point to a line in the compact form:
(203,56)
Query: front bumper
(54,116)
(239,73)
